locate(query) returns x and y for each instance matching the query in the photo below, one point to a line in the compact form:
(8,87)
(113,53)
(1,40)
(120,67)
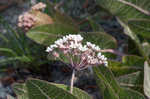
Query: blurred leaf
(10,97)
(9,60)
(103,40)
(41,18)
(129,72)
(65,19)
(133,60)
(110,88)
(58,16)
(47,34)
(120,69)
(129,64)
(7,51)
(133,80)
(21,91)
(95,26)
(141,27)
(147,79)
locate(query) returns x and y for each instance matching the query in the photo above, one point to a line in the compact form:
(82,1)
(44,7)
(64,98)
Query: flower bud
(55,54)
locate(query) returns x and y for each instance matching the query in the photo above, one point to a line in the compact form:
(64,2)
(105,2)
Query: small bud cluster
(27,20)
(72,48)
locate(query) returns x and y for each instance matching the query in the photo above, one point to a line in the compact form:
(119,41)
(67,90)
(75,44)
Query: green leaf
(95,26)
(21,91)
(65,20)
(147,79)
(8,60)
(8,51)
(124,11)
(140,27)
(130,16)
(133,80)
(129,72)
(47,34)
(110,88)
(39,89)
(103,40)
(120,69)
(76,91)
(133,60)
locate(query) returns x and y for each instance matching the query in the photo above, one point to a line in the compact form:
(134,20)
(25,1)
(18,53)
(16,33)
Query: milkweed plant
(72,48)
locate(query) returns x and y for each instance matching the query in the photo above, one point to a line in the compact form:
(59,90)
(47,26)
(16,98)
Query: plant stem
(72,81)
(113,51)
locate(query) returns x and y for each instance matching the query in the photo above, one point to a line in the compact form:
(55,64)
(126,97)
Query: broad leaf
(125,11)
(110,88)
(140,27)
(21,91)
(132,80)
(130,16)
(120,69)
(7,51)
(129,64)
(77,92)
(133,60)
(47,34)
(39,89)
(103,40)
(8,60)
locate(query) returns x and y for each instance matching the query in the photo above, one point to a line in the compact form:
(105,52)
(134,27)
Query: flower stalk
(72,81)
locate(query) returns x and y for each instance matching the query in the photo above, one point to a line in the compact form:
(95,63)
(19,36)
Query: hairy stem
(72,81)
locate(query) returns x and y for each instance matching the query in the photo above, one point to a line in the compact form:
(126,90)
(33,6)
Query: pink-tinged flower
(55,54)
(34,17)
(26,21)
(80,56)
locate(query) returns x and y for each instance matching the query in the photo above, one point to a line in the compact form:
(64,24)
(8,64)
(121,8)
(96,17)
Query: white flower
(71,45)
(106,63)
(83,48)
(99,55)
(97,48)
(88,43)
(49,49)
(54,46)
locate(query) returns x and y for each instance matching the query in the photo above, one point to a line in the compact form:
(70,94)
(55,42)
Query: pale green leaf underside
(147,79)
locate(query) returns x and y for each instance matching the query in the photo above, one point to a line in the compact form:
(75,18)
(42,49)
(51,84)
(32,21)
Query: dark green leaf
(110,88)
(44,90)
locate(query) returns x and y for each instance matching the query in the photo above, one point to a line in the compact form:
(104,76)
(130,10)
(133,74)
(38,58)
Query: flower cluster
(27,20)
(72,48)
